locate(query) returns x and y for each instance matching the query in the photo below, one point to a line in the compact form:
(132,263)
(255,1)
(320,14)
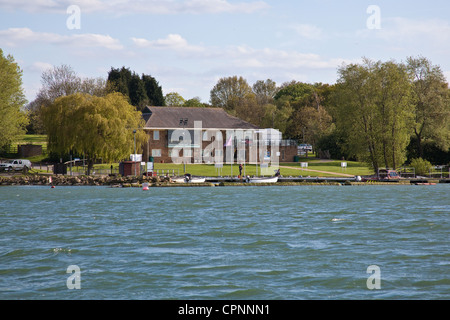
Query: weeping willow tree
(97,127)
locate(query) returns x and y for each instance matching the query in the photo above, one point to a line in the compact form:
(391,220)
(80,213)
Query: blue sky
(188,45)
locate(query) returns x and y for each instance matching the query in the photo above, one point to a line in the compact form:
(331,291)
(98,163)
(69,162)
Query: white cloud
(136,6)
(273,58)
(171,42)
(308,31)
(410,30)
(175,43)
(16,37)
(219,6)
(242,55)
(39,67)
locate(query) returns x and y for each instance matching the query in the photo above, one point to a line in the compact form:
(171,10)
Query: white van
(15,165)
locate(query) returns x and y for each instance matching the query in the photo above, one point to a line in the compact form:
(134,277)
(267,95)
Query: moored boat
(189,179)
(262,179)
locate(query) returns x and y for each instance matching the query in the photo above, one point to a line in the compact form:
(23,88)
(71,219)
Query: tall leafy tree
(373,111)
(277,116)
(393,101)
(194,102)
(174,99)
(137,93)
(309,118)
(265,91)
(153,90)
(312,123)
(97,127)
(229,92)
(12,99)
(295,92)
(141,90)
(356,117)
(432,104)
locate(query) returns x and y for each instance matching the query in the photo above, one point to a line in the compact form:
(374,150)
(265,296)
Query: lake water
(290,243)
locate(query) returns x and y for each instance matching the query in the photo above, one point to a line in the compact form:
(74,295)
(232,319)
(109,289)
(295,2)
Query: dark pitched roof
(211,118)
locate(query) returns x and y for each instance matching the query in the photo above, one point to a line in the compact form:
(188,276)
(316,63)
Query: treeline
(385,113)
(382,108)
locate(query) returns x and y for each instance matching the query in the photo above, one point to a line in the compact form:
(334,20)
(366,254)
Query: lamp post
(134,132)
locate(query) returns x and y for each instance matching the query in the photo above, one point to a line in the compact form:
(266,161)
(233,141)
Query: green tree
(356,118)
(373,112)
(295,92)
(229,92)
(137,93)
(265,91)
(194,102)
(392,99)
(141,91)
(153,90)
(174,99)
(119,80)
(432,104)
(97,127)
(312,123)
(12,99)
(277,117)
(309,118)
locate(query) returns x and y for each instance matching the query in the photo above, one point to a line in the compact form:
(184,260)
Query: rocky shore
(124,182)
(64,180)
(120,182)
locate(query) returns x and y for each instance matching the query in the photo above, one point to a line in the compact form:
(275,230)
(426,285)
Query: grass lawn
(208,170)
(32,139)
(322,168)
(36,139)
(327,168)
(353,168)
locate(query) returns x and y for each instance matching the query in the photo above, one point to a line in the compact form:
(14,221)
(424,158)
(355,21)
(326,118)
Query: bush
(422,167)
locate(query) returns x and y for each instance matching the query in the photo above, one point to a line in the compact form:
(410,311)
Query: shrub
(421,166)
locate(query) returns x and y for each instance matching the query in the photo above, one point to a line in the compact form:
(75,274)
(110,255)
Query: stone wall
(29,150)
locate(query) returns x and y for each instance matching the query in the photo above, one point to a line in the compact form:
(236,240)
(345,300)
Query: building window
(156,135)
(156,152)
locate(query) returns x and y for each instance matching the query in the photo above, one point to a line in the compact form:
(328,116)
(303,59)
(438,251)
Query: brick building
(164,123)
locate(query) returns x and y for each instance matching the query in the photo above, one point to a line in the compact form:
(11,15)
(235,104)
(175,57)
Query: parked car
(15,165)
(383,175)
(305,147)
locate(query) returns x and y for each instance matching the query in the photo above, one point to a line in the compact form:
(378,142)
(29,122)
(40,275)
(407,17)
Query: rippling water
(305,242)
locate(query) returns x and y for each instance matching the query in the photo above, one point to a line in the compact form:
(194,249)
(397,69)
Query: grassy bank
(316,167)
(36,139)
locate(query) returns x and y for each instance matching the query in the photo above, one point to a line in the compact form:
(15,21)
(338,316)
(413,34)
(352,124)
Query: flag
(228,144)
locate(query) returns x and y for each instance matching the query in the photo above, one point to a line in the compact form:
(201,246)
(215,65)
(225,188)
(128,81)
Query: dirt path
(328,172)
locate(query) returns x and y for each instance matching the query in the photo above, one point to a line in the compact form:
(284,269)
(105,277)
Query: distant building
(163,123)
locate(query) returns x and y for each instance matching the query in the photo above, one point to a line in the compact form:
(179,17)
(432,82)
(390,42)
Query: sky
(188,45)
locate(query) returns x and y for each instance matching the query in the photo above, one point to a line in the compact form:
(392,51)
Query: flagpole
(230,144)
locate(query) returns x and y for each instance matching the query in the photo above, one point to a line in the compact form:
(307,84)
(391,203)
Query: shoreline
(137,182)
